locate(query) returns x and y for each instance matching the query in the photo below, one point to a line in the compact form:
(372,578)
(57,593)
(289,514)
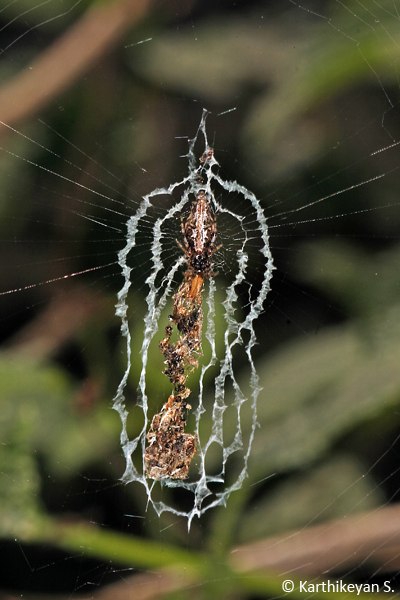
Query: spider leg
(184,250)
(215,249)
(183,228)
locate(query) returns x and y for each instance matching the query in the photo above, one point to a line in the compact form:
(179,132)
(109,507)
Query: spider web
(237,333)
(311,416)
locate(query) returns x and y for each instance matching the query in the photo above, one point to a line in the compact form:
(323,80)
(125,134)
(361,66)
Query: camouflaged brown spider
(199,235)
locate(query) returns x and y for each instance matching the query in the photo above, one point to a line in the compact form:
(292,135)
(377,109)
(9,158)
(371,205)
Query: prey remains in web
(210,336)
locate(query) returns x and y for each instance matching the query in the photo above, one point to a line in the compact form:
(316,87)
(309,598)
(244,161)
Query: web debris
(170,450)
(239,333)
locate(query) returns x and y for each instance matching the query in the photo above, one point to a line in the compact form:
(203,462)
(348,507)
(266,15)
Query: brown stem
(75,52)
(371,539)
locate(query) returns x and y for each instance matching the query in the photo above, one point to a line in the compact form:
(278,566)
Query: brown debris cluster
(170,450)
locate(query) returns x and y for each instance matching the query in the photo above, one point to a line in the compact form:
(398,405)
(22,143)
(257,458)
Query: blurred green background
(304,112)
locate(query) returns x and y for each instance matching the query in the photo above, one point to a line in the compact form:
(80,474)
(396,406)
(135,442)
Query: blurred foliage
(315,98)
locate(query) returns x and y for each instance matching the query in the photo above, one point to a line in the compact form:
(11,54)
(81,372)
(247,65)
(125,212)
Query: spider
(199,234)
